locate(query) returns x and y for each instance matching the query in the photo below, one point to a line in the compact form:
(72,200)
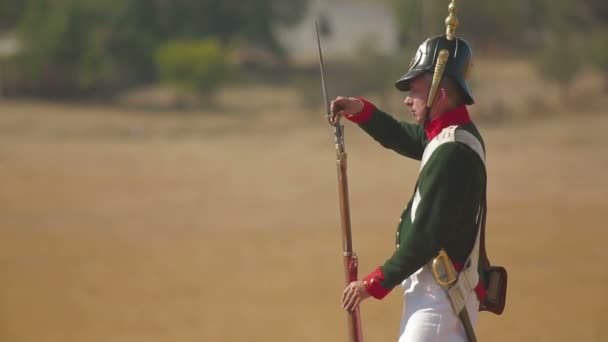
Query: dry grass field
(119,225)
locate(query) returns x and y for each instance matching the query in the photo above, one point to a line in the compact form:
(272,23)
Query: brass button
(397,233)
(372,281)
(365,283)
(397,245)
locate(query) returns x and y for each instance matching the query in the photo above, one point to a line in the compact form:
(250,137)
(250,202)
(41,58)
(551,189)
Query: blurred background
(168,173)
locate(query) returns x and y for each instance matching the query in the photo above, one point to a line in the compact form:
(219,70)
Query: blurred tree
(10,13)
(325,28)
(573,30)
(72,45)
(198,66)
(598,52)
(409,21)
(488,24)
(250,22)
(579,16)
(500,25)
(559,61)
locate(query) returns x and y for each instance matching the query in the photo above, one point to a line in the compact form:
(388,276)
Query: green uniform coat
(451,186)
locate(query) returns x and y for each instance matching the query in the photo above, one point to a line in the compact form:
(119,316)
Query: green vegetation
(74,46)
(193,66)
(556,62)
(598,52)
(80,47)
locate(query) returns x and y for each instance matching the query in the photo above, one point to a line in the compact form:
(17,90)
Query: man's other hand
(353,295)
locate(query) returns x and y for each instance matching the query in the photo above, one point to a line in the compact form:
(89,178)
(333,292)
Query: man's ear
(442,95)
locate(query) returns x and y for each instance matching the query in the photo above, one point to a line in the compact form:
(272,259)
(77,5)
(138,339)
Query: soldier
(444,211)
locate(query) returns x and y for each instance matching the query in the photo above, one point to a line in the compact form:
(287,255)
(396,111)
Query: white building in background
(352,26)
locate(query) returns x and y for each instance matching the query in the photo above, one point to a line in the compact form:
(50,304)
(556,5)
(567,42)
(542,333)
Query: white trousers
(427,313)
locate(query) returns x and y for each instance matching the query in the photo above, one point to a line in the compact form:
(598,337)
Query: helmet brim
(403,84)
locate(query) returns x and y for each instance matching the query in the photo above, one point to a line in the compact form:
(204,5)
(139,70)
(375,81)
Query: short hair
(455,92)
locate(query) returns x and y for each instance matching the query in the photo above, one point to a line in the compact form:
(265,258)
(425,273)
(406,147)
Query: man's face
(416,99)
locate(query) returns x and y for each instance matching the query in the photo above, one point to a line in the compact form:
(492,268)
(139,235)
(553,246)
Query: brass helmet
(434,51)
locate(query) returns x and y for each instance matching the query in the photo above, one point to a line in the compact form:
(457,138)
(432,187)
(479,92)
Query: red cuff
(372,284)
(365,113)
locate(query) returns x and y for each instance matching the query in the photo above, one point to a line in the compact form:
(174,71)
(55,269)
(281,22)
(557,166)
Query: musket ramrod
(350,258)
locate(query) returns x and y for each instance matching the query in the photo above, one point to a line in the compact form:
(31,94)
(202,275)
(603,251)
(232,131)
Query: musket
(349,257)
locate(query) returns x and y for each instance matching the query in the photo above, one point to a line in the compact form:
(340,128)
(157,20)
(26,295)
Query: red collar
(457,116)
